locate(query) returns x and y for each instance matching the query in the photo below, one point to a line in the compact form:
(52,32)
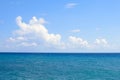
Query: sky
(59,26)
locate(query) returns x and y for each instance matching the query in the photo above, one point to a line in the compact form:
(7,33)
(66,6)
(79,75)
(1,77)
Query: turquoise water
(59,66)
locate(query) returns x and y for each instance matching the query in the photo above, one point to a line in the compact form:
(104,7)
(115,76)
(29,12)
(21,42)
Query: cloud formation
(70,5)
(77,42)
(101,41)
(35,34)
(11,39)
(35,29)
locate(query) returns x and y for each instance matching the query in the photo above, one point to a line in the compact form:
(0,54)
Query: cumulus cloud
(36,29)
(101,41)
(35,34)
(70,5)
(77,42)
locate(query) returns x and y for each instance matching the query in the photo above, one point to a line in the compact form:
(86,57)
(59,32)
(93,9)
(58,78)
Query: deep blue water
(85,66)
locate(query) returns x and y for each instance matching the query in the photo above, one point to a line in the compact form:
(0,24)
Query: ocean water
(59,66)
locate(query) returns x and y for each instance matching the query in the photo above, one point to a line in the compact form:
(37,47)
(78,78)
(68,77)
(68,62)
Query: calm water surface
(20,66)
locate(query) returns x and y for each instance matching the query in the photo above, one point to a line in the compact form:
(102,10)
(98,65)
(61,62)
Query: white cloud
(36,28)
(75,31)
(70,5)
(21,38)
(101,41)
(77,42)
(35,34)
(11,39)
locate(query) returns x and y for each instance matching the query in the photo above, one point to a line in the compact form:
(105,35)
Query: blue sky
(60,26)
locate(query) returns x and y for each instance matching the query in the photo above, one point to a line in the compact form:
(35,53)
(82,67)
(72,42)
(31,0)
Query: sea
(59,66)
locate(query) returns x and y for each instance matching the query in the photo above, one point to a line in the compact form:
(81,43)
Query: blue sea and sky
(59,26)
(33,31)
